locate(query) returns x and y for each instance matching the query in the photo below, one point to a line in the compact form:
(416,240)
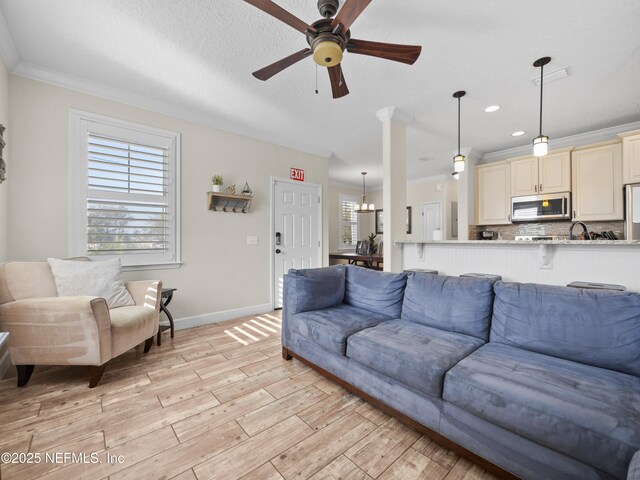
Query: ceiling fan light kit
(328,38)
(364,207)
(541,142)
(458,160)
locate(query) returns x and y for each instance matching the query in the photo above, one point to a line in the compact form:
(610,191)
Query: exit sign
(297,174)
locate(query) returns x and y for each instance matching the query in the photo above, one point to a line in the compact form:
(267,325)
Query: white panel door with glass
(297,239)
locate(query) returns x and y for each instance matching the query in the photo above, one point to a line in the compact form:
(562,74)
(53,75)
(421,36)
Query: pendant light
(458,160)
(364,207)
(541,142)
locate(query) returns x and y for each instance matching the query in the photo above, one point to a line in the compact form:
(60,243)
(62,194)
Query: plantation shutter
(348,222)
(127,201)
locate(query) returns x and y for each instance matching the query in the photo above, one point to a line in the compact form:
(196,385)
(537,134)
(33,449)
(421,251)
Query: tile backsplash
(560,229)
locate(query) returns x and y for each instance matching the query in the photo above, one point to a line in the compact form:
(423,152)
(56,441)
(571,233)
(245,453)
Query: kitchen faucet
(584,227)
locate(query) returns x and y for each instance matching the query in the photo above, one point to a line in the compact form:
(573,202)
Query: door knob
(278,250)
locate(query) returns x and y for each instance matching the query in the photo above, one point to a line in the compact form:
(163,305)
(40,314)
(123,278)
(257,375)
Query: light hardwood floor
(217,402)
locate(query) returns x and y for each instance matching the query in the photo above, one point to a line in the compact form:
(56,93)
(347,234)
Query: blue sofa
(536,381)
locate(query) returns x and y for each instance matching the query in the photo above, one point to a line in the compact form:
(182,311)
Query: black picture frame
(380,225)
(363,247)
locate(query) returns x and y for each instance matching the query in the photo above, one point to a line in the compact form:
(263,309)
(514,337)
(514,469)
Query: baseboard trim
(408,421)
(223,316)
(5,361)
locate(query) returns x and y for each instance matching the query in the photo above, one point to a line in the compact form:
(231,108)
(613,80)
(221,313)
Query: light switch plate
(252,240)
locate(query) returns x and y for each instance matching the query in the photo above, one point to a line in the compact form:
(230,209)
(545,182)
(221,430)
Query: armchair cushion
(99,279)
(131,326)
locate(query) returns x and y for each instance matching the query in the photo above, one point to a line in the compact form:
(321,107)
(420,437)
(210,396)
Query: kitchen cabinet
(540,175)
(597,183)
(631,157)
(493,194)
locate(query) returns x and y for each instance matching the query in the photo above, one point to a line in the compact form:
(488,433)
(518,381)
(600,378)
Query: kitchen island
(556,262)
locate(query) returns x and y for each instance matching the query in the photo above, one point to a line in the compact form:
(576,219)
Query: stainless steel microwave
(556,206)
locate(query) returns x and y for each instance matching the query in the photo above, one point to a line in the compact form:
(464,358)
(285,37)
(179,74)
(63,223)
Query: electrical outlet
(252,240)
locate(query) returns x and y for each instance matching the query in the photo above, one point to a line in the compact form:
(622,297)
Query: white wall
(4,187)
(220,271)
(419,192)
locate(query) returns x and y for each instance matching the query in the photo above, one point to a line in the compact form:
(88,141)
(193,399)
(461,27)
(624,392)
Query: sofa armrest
(58,330)
(634,467)
(146,293)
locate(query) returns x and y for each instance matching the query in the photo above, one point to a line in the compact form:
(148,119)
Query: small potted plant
(216,181)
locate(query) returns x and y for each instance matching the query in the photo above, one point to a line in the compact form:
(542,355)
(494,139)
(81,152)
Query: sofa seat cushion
(415,354)
(131,326)
(588,413)
(330,327)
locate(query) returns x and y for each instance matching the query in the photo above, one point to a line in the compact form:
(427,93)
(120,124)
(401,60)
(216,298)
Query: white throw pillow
(97,279)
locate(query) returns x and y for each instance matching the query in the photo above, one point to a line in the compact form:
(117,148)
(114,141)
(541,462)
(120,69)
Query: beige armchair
(45,329)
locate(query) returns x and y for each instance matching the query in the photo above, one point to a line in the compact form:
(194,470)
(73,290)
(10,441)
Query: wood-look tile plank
(330,409)
(185,455)
(412,465)
(132,452)
(310,455)
(83,426)
(289,385)
(188,475)
(211,418)
(182,368)
(341,469)
(431,449)
(250,384)
(138,426)
(254,452)
(372,414)
(465,470)
(88,445)
(264,417)
(265,472)
(222,367)
(241,351)
(378,450)
(170,396)
(263,366)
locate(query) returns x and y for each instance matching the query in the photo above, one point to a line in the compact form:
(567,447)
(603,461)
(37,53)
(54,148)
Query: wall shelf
(228,203)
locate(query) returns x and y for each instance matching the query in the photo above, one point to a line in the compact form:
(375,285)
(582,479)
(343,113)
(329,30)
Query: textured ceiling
(199,55)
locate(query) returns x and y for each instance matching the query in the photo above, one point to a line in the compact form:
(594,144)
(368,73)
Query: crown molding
(395,114)
(7,47)
(57,79)
(587,138)
(441,178)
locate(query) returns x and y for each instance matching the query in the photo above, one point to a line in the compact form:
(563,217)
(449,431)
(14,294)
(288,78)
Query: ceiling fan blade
(349,12)
(281,14)
(267,72)
(390,51)
(338,84)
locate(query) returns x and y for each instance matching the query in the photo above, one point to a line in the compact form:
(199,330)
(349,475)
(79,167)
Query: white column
(394,184)
(467,193)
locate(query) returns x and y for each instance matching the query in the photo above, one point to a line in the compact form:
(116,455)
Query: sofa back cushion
(314,288)
(375,291)
(455,304)
(599,328)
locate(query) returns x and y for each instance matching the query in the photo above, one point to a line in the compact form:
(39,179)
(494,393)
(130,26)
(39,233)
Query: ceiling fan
(328,38)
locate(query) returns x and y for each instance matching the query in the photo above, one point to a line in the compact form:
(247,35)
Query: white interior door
(296,243)
(431,219)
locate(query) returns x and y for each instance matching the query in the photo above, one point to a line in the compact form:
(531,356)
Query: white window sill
(155,266)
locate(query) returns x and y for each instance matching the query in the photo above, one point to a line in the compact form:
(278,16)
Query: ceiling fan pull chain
(316,79)
(340,84)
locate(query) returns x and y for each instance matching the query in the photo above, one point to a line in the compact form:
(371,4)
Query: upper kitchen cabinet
(597,183)
(548,174)
(493,191)
(631,157)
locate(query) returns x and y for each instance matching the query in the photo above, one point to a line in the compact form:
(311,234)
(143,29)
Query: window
(124,191)
(348,224)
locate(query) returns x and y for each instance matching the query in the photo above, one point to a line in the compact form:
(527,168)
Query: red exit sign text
(297,174)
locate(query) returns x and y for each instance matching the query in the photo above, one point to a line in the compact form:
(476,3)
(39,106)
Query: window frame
(350,198)
(80,125)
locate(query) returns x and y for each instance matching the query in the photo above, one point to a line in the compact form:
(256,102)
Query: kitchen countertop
(522,242)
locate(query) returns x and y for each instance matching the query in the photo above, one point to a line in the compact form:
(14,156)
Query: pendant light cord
(364,195)
(458,125)
(541,87)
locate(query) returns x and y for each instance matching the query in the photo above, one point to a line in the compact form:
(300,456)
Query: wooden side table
(165,299)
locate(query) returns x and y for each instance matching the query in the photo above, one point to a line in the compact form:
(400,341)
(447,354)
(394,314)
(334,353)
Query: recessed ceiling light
(492,108)
(517,134)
